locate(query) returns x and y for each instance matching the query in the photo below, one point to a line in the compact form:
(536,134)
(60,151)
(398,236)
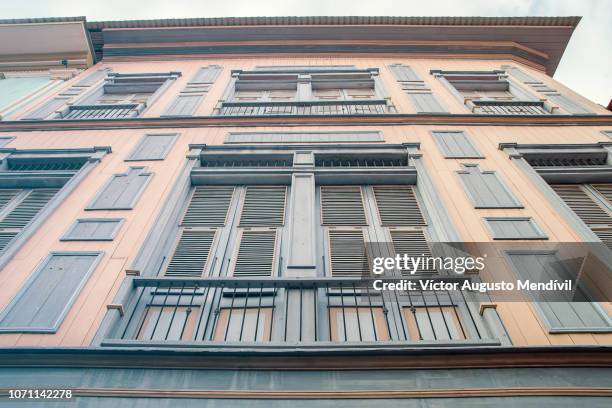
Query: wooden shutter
(191,253)
(397,206)
(486,190)
(46,109)
(206,75)
(585,206)
(425,102)
(153,147)
(342,205)
(6,196)
(256,253)
(122,191)
(605,190)
(455,145)
(347,253)
(264,206)
(208,206)
(568,104)
(183,105)
(27,209)
(412,243)
(49,293)
(403,73)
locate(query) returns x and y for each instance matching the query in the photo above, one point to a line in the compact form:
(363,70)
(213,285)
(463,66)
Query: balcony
(102,111)
(305,108)
(509,108)
(291,312)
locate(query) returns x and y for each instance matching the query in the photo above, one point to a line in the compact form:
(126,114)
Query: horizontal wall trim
(296,359)
(340,394)
(230,121)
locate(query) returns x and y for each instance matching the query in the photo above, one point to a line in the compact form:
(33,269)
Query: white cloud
(585,66)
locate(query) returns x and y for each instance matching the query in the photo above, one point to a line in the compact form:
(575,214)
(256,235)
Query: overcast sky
(586,66)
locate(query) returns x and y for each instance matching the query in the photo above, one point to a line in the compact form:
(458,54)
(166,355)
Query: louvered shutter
(347,253)
(605,190)
(208,206)
(6,196)
(582,204)
(412,243)
(397,206)
(27,209)
(256,253)
(264,206)
(342,205)
(594,214)
(191,253)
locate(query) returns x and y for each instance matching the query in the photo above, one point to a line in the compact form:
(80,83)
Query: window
(153,147)
(521,228)
(46,297)
(93,229)
(490,93)
(579,315)
(122,190)
(120,96)
(455,145)
(304,91)
(485,188)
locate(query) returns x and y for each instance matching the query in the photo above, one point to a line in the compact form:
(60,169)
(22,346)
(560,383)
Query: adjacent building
(185,203)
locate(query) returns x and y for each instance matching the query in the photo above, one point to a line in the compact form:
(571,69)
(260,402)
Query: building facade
(184,207)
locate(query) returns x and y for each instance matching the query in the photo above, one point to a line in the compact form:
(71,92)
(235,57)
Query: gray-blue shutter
(514,228)
(46,109)
(403,73)
(47,296)
(22,214)
(256,253)
(426,103)
(153,147)
(94,77)
(263,206)
(183,105)
(486,190)
(206,75)
(540,267)
(568,104)
(191,253)
(456,145)
(93,229)
(122,191)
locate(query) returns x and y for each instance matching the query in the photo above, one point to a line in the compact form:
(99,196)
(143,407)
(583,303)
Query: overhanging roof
(44,43)
(539,41)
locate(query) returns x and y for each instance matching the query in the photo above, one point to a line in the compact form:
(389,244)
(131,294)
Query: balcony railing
(509,108)
(366,107)
(102,111)
(274,312)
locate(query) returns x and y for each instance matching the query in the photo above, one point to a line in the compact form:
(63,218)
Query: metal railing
(366,107)
(509,108)
(297,311)
(102,111)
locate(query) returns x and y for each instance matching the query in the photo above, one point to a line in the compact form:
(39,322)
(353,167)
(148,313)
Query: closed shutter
(208,206)
(397,206)
(6,238)
(414,244)
(27,209)
(6,196)
(588,209)
(583,204)
(403,73)
(46,109)
(426,103)
(342,205)
(256,252)
(605,190)
(455,145)
(568,104)
(153,147)
(206,75)
(264,206)
(183,105)
(191,253)
(348,257)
